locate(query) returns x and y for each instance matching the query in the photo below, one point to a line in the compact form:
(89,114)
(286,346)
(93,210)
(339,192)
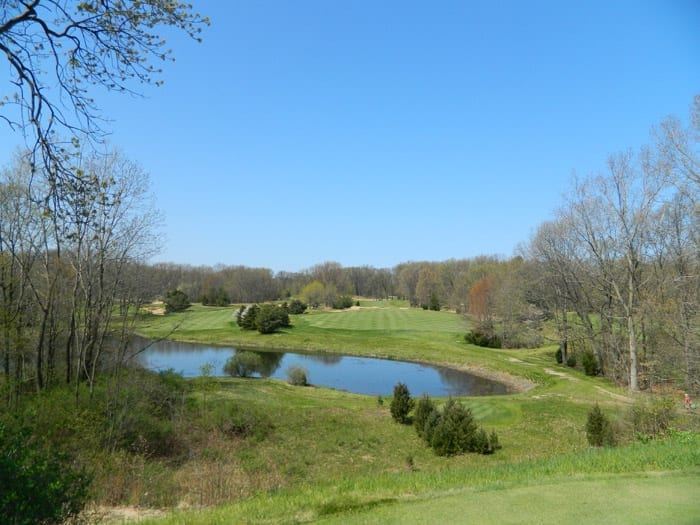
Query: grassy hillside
(339,458)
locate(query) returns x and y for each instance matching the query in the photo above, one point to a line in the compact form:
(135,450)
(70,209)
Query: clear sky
(376,132)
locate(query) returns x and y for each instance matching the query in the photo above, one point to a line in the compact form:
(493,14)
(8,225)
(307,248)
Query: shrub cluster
(449,431)
(142,418)
(476,337)
(214,297)
(37,484)
(246,315)
(245,423)
(297,307)
(652,417)
(176,301)
(453,430)
(132,413)
(271,318)
(266,318)
(342,302)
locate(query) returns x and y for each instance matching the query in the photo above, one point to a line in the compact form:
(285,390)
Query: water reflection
(359,375)
(328,359)
(271,362)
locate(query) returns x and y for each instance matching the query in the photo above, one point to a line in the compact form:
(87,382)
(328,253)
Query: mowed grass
(621,499)
(201,323)
(396,320)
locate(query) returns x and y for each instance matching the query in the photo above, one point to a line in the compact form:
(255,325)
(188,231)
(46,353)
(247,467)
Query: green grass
(654,483)
(621,499)
(339,458)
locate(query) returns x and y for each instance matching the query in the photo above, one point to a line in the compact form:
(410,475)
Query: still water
(360,375)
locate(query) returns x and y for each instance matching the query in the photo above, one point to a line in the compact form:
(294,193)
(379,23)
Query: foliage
(297,307)
(247,317)
(243,364)
(599,431)
(342,302)
(571,360)
(37,484)
(590,363)
(424,408)
(297,376)
(236,421)
(314,294)
(453,430)
(141,410)
(401,403)
(434,302)
(494,442)
(176,301)
(215,296)
(479,338)
(558,355)
(271,318)
(481,299)
(431,423)
(651,417)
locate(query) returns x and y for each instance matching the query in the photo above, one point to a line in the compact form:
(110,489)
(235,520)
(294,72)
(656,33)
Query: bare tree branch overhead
(58,50)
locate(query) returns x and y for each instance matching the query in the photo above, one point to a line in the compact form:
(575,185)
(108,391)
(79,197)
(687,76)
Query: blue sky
(378,132)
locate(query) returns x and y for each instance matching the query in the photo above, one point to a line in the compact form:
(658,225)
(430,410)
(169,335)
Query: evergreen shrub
(598,429)
(297,307)
(590,363)
(270,318)
(176,301)
(476,337)
(452,430)
(401,403)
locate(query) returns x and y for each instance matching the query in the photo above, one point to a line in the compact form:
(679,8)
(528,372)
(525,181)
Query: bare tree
(563,283)
(57,50)
(110,225)
(612,217)
(17,259)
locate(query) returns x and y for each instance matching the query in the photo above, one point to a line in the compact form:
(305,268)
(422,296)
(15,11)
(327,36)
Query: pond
(359,375)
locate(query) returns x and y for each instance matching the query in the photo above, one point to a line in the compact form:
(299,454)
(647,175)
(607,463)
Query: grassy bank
(340,458)
(653,483)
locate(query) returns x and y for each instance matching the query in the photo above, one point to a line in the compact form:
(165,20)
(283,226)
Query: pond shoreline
(514,384)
